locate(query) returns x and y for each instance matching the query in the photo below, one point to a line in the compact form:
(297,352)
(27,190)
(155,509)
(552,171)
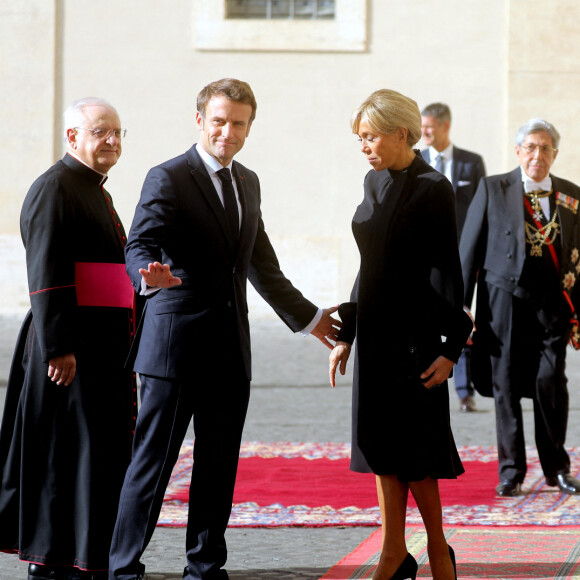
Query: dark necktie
(440,163)
(230,203)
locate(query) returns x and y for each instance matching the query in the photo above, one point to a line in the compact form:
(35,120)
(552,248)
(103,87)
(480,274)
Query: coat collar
(73,163)
(511,187)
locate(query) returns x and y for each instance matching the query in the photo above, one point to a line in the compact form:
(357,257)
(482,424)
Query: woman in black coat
(406,312)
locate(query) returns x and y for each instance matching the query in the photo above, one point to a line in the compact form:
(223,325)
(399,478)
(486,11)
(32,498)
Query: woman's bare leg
(426,494)
(392,495)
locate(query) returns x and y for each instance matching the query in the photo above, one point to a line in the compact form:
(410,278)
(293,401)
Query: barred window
(280,25)
(276,9)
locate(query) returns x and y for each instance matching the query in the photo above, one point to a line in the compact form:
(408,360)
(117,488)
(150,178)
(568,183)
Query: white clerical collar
(447,153)
(105,176)
(211,163)
(531,185)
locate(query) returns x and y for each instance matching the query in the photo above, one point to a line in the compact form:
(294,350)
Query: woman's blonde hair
(385,111)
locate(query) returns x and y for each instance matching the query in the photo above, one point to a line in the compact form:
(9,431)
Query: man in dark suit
(521,244)
(196,238)
(464,169)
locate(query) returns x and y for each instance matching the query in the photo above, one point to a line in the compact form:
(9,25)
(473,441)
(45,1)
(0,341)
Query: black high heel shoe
(452,554)
(408,569)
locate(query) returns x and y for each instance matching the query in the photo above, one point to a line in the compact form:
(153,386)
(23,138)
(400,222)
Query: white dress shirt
(212,166)
(544,185)
(447,155)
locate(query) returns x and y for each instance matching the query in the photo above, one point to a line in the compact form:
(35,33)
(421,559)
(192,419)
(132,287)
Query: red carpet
(330,482)
(298,481)
(308,484)
(507,553)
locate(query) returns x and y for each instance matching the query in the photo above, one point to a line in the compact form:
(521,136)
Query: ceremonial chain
(538,237)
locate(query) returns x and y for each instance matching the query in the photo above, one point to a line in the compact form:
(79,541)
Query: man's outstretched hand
(327,327)
(159,276)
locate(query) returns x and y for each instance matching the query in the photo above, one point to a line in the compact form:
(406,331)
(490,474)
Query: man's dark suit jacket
(180,221)
(467,170)
(493,247)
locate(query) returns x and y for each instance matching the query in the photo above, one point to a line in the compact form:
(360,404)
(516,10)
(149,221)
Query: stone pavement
(307,413)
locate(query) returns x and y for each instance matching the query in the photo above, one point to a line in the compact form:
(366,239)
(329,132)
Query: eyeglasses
(531,148)
(105,133)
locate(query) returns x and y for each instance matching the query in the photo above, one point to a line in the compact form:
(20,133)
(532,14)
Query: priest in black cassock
(65,439)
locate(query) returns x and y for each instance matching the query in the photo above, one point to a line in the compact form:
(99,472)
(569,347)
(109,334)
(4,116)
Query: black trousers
(530,363)
(218,408)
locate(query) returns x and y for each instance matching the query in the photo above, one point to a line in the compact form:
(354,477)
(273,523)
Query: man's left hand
(327,327)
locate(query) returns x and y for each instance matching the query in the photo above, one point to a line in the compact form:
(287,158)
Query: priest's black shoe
(40,572)
(89,575)
(565,482)
(508,488)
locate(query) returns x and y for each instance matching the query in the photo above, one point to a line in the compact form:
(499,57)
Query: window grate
(281,9)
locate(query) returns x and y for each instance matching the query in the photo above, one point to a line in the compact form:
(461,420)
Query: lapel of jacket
(568,223)
(514,205)
(243,193)
(456,168)
(205,184)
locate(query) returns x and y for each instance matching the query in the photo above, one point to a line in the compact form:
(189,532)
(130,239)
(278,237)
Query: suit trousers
(462,375)
(530,363)
(218,403)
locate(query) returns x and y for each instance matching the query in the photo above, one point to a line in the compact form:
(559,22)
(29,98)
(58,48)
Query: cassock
(64,450)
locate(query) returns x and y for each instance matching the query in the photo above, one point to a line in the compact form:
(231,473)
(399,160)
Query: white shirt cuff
(308,329)
(147,290)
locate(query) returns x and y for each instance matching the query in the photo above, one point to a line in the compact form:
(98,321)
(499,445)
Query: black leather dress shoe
(92,575)
(40,572)
(565,482)
(508,488)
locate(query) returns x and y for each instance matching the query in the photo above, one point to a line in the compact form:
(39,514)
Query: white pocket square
(462,183)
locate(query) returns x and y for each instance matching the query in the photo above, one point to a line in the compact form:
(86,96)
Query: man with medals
(520,245)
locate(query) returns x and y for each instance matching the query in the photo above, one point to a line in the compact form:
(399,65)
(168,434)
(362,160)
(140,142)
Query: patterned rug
(309,484)
(506,553)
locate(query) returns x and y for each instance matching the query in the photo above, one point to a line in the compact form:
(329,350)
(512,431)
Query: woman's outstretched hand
(438,372)
(337,359)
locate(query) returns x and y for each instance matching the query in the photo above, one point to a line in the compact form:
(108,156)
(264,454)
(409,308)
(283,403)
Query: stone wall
(495,63)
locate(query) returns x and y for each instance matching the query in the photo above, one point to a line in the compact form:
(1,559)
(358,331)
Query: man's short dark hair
(232,89)
(439,111)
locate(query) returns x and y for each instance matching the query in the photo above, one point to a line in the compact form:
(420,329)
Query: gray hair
(385,111)
(74,114)
(439,111)
(535,126)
